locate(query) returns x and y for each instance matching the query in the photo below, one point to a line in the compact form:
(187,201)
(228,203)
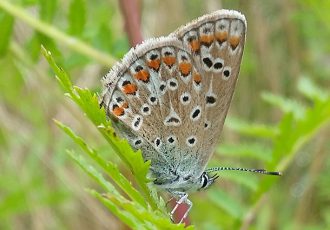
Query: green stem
(57,35)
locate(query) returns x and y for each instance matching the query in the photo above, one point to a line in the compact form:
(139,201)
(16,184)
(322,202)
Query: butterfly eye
(205,180)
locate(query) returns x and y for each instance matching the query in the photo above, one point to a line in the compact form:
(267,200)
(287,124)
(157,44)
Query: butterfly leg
(190,204)
(183,199)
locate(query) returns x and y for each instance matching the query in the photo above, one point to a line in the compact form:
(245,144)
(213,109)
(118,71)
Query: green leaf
(310,90)
(92,172)
(124,216)
(77,17)
(6,22)
(157,219)
(61,75)
(47,10)
(131,213)
(45,41)
(108,166)
(89,105)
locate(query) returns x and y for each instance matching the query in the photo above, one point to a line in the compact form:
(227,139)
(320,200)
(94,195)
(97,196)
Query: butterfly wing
(170,95)
(146,94)
(216,42)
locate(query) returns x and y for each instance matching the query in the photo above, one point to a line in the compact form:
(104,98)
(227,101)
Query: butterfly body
(170,96)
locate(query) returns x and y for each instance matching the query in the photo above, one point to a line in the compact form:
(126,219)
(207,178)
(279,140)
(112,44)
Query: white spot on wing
(196,113)
(172,84)
(137,122)
(191,141)
(185,98)
(145,109)
(172,140)
(218,64)
(172,119)
(157,142)
(137,142)
(226,73)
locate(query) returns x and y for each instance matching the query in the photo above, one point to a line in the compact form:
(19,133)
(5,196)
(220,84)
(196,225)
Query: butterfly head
(206,180)
(186,184)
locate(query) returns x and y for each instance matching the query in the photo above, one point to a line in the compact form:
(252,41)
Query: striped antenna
(261,171)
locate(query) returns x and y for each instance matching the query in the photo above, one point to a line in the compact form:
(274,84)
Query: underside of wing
(216,42)
(170,95)
(154,94)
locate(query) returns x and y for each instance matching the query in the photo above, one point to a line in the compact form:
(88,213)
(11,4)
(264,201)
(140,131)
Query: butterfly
(169,97)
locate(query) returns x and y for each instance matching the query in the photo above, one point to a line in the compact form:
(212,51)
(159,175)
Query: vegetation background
(278,118)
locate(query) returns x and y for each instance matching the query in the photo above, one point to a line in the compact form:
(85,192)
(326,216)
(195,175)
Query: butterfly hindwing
(152,93)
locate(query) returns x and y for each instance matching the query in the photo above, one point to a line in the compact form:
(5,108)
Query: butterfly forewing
(216,42)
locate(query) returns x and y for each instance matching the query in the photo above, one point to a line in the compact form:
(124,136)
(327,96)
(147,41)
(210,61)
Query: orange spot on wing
(194,45)
(234,41)
(169,60)
(125,105)
(206,39)
(118,111)
(185,68)
(129,88)
(197,78)
(221,36)
(154,64)
(142,75)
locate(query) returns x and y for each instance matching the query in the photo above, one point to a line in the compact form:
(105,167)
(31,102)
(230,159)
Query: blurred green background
(287,55)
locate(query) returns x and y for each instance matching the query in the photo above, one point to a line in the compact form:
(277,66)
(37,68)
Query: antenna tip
(275,173)
(263,171)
